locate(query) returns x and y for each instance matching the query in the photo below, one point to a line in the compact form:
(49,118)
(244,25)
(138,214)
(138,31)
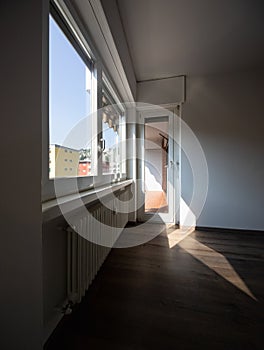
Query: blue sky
(69,101)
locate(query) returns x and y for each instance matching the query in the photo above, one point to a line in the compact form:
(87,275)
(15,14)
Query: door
(159,175)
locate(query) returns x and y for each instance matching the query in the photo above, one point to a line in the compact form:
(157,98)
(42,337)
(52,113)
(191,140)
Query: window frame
(73,38)
(114,98)
(69,23)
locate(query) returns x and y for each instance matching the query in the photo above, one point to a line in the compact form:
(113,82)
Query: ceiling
(193,37)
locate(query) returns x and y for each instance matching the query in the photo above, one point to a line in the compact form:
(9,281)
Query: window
(113,132)
(71,94)
(78,86)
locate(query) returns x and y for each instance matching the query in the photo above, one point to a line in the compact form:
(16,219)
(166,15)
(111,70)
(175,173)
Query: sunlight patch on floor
(177,235)
(216,262)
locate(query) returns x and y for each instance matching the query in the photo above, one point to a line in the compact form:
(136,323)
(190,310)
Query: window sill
(51,209)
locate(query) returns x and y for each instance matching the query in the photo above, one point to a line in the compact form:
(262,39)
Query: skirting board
(225,230)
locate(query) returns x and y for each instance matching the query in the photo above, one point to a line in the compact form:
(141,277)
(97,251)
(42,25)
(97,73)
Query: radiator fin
(84,257)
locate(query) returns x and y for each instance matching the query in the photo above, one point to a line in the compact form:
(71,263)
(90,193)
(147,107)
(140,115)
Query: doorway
(158,166)
(156,147)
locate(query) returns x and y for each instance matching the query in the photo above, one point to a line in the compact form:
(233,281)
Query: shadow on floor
(161,295)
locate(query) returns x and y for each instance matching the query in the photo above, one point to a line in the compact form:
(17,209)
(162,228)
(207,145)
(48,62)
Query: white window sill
(51,209)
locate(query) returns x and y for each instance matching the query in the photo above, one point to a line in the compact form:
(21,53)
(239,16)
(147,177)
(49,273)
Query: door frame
(173,215)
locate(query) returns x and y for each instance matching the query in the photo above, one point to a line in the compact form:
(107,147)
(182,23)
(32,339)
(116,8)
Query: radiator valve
(67,309)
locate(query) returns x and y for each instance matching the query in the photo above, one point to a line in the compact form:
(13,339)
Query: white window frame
(84,183)
(120,109)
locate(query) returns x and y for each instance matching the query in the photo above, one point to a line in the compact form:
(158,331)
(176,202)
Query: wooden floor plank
(155,296)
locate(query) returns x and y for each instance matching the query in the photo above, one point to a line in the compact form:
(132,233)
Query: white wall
(21,116)
(113,17)
(226,112)
(153,169)
(162,91)
(54,273)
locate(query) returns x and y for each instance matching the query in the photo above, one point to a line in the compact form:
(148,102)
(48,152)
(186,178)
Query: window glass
(110,132)
(113,133)
(70,96)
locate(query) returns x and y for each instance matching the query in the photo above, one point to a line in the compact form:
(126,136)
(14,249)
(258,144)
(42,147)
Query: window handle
(102,144)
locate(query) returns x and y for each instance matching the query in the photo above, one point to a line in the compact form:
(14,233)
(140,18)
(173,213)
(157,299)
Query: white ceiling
(193,37)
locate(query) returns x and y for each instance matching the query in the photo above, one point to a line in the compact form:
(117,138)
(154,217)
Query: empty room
(133,210)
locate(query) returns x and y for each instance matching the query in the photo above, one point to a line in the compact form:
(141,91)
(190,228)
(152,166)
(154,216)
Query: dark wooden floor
(204,291)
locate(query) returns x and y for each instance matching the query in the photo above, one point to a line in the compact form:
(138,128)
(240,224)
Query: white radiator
(84,257)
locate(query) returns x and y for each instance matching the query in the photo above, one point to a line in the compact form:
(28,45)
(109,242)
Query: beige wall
(64,161)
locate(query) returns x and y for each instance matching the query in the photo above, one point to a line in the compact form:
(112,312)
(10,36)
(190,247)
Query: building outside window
(70,101)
